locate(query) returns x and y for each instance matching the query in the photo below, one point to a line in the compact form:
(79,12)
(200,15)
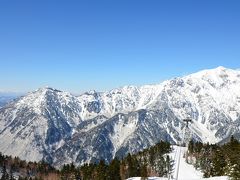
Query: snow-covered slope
(60,127)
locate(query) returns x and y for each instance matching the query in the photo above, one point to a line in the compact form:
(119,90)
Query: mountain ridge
(60,127)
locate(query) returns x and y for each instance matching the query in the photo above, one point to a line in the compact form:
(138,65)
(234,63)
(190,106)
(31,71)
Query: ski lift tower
(187,132)
(187,121)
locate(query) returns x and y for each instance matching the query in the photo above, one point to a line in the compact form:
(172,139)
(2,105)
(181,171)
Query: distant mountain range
(6,97)
(62,128)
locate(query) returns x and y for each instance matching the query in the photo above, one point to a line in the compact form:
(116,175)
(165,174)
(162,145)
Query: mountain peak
(46,88)
(221,68)
(218,72)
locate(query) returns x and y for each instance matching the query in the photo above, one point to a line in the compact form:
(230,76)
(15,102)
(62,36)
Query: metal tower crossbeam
(187,121)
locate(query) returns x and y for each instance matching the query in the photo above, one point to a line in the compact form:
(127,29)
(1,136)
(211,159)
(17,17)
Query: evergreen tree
(206,162)
(143,172)
(160,166)
(130,166)
(5,175)
(235,172)
(11,175)
(169,165)
(87,171)
(114,170)
(77,174)
(191,146)
(101,170)
(218,163)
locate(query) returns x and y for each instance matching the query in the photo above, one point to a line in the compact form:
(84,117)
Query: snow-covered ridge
(131,98)
(98,125)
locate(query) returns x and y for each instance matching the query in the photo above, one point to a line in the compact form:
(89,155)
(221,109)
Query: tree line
(214,159)
(152,161)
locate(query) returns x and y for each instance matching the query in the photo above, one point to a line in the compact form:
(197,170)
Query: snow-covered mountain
(62,128)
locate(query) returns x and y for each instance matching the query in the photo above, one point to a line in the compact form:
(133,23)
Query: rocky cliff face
(62,128)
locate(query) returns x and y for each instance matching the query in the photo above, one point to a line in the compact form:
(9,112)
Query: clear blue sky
(102,44)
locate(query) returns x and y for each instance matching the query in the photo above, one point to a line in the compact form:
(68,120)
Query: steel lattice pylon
(187,136)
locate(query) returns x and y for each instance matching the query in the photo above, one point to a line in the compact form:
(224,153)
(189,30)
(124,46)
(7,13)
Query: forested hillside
(216,160)
(153,161)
